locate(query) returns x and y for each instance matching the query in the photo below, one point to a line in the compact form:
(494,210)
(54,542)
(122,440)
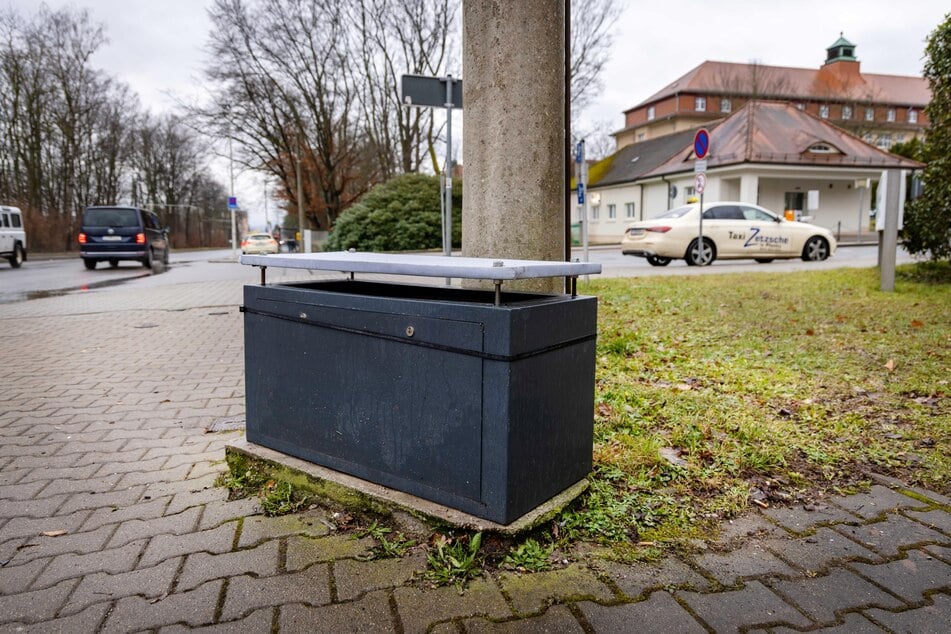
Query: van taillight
(140,238)
(82,238)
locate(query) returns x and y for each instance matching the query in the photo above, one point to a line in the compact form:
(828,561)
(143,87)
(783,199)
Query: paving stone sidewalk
(109,520)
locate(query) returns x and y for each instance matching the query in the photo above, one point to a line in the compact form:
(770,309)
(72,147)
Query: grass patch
(246,477)
(387,546)
(718,392)
(454,560)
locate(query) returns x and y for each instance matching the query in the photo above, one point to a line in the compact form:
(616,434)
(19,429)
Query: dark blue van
(111,234)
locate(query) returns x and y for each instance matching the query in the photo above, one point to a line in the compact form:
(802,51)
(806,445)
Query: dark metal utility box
(449,394)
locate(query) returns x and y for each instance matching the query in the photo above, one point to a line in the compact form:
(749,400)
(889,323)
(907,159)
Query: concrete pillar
(513,69)
(749,189)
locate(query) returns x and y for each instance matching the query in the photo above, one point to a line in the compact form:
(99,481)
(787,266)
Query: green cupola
(841,50)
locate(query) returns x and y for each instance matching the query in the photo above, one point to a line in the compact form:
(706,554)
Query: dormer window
(912,116)
(846,112)
(700,104)
(870,114)
(891,115)
(726,105)
(651,113)
(822,148)
(824,111)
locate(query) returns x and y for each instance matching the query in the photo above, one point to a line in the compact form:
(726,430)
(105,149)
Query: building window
(870,114)
(641,136)
(912,116)
(822,148)
(628,210)
(612,212)
(891,114)
(899,138)
(867,137)
(884,141)
(700,104)
(595,212)
(846,112)
(689,192)
(651,113)
(726,105)
(800,106)
(824,111)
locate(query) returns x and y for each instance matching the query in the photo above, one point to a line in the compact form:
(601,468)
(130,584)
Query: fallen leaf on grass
(917,324)
(672,456)
(52,533)
(890,365)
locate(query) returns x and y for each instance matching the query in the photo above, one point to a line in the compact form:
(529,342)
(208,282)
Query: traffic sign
(701,143)
(232,202)
(419,90)
(700,180)
(700,166)
(580,193)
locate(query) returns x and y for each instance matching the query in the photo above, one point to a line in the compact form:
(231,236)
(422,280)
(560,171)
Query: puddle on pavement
(8,298)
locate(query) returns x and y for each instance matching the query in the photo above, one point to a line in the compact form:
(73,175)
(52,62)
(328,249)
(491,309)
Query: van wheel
(113,263)
(90,264)
(147,260)
(16,260)
(165,257)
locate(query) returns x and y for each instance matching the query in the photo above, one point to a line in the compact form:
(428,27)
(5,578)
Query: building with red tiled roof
(766,152)
(880,109)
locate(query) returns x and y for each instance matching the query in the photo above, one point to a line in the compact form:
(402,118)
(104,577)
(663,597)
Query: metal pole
(447,237)
(889,240)
(858,236)
(267,218)
(234,222)
(584,205)
(300,199)
(700,238)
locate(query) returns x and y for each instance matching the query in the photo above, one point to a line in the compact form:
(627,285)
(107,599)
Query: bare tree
(395,38)
(592,22)
(282,91)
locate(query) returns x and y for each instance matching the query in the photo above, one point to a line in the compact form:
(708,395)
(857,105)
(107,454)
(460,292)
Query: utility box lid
(424,265)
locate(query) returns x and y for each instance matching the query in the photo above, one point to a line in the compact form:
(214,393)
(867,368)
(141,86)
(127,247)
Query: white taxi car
(731,230)
(259,244)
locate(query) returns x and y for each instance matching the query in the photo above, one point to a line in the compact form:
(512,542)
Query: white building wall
(839,200)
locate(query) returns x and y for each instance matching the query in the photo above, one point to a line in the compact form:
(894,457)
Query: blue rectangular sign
(580,193)
(232,202)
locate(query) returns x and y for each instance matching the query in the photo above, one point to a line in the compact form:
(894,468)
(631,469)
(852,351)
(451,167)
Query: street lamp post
(234,222)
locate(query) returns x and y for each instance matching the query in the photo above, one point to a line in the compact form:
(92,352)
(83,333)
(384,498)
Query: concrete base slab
(354,493)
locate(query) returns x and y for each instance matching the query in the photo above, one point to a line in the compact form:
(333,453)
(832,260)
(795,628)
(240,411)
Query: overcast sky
(157,46)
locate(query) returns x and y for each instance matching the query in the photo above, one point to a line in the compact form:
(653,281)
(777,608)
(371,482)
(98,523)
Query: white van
(12,236)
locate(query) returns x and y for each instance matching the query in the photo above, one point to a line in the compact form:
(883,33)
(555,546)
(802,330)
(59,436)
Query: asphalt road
(45,276)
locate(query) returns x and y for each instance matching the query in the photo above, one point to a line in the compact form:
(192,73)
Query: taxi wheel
(816,249)
(764,260)
(705,256)
(656,260)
